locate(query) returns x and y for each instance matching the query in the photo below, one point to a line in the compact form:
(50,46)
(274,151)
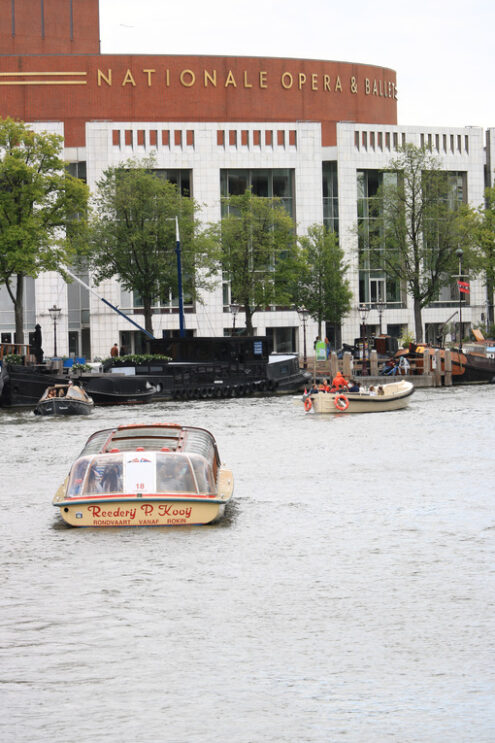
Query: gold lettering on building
(187,78)
(317,82)
(287,80)
(149,73)
(106,78)
(230,80)
(128,78)
(210,78)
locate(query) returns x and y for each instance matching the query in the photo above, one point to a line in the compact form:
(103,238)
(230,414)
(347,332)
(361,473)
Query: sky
(443,52)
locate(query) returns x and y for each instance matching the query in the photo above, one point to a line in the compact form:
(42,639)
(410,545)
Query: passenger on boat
(372,390)
(52,393)
(353,386)
(339,382)
(174,475)
(111,482)
(324,386)
(380,390)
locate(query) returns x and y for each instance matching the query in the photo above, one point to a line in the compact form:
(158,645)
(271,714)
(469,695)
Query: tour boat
(64,399)
(375,399)
(158,474)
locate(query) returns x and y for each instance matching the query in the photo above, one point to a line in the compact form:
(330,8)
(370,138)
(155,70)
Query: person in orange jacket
(339,382)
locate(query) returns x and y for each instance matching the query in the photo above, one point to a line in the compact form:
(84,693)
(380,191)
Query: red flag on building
(463,287)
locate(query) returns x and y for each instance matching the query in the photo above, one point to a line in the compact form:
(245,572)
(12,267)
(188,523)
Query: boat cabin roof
(154,437)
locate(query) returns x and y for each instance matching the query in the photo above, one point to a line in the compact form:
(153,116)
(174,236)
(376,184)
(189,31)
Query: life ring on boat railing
(308,404)
(341,402)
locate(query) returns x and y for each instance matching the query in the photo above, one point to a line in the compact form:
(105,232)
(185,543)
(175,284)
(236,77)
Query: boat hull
(397,397)
(63,407)
(140,512)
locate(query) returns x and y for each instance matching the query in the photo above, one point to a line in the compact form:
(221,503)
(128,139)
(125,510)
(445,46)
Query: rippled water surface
(348,594)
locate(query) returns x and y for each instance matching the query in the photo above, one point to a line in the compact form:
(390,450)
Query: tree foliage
(478,229)
(322,287)
(42,210)
(258,252)
(133,236)
(418,231)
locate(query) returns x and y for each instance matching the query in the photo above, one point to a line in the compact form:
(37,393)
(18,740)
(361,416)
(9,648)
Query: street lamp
(380,306)
(459,253)
(303,316)
(363,311)
(55,313)
(234,308)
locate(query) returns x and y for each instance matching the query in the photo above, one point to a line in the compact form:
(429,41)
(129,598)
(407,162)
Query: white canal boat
(160,474)
(374,399)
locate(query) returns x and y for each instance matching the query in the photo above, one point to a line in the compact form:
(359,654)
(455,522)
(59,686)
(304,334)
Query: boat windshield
(141,472)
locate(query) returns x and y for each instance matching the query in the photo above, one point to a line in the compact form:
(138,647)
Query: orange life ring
(341,402)
(308,404)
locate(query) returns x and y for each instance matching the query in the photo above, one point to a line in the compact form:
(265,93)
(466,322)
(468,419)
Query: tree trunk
(418,324)
(249,320)
(148,316)
(19,308)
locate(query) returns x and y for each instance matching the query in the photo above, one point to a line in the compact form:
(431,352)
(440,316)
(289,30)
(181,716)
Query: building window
(374,283)
(276,183)
(77,170)
(330,196)
(181,178)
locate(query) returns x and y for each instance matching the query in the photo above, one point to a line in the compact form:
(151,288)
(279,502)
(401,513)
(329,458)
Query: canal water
(348,594)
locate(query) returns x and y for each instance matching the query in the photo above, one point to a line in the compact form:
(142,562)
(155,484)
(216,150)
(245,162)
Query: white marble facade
(294,145)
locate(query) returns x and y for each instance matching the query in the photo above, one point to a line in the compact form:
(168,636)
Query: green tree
(133,236)
(478,229)
(42,210)
(322,286)
(417,230)
(258,252)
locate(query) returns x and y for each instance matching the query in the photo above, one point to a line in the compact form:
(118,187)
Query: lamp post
(380,306)
(234,308)
(459,253)
(55,313)
(363,311)
(303,316)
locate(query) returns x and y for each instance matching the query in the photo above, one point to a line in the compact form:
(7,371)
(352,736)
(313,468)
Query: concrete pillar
(347,365)
(334,364)
(374,363)
(426,362)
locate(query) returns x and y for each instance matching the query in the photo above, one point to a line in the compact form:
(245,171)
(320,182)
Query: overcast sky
(443,51)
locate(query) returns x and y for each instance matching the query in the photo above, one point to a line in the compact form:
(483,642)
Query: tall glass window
(330,196)
(374,283)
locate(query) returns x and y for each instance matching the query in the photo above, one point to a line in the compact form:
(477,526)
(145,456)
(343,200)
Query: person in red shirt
(339,383)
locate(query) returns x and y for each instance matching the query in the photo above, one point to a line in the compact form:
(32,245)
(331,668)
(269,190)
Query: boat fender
(341,402)
(308,404)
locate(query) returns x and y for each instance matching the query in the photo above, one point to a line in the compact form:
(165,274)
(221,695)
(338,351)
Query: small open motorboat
(158,474)
(64,399)
(379,399)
